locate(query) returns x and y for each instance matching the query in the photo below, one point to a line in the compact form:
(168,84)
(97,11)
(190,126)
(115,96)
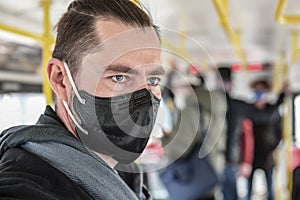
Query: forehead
(122,45)
(120,41)
(261,86)
(110,27)
(115,34)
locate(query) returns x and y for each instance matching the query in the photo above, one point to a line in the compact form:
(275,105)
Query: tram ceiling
(261,36)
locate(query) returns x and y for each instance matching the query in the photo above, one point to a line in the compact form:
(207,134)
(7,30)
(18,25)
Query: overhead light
(251,67)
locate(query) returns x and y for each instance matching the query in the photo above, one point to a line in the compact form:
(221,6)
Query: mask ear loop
(73,119)
(79,98)
(73,83)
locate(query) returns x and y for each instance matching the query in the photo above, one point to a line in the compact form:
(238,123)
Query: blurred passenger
(184,99)
(168,91)
(236,113)
(105,73)
(296,173)
(267,133)
(296,184)
(213,107)
(186,177)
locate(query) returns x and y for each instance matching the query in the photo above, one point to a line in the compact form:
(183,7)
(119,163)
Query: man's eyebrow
(121,69)
(125,69)
(157,72)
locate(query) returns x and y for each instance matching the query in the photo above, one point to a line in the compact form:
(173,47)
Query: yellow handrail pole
(282,73)
(173,48)
(136,2)
(291,19)
(287,144)
(287,129)
(236,40)
(233,36)
(21,32)
(45,40)
(168,45)
(182,45)
(182,35)
(279,10)
(224,3)
(278,72)
(288,141)
(285,19)
(295,48)
(181,49)
(46,50)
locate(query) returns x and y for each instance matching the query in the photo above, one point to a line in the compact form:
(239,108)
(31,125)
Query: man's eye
(119,78)
(154,81)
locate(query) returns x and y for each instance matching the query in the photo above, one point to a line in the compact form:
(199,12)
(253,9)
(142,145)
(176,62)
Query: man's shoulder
(26,176)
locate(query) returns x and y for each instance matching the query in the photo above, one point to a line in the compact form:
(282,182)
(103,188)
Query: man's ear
(57,74)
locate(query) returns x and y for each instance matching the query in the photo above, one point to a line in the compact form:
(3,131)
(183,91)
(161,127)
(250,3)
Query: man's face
(128,60)
(260,96)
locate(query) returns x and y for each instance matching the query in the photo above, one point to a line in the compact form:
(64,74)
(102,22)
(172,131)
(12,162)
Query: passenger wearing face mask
(267,133)
(235,118)
(105,72)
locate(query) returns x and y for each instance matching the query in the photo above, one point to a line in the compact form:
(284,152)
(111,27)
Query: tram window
(20,108)
(297,119)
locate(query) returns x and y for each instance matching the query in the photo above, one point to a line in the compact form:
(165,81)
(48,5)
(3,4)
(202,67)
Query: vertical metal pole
(277,73)
(295,49)
(279,10)
(46,50)
(232,35)
(287,130)
(287,140)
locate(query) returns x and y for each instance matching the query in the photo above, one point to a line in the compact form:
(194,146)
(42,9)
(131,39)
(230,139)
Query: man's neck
(63,115)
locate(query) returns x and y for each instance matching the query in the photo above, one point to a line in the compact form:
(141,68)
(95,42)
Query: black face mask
(117,126)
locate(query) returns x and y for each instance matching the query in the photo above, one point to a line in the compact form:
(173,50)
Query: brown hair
(76,30)
(262,82)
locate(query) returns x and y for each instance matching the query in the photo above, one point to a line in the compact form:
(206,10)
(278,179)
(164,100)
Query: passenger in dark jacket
(235,115)
(267,133)
(105,72)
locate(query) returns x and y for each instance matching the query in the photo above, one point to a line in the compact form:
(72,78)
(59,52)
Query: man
(267,132)
(235,115)
(105,72)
